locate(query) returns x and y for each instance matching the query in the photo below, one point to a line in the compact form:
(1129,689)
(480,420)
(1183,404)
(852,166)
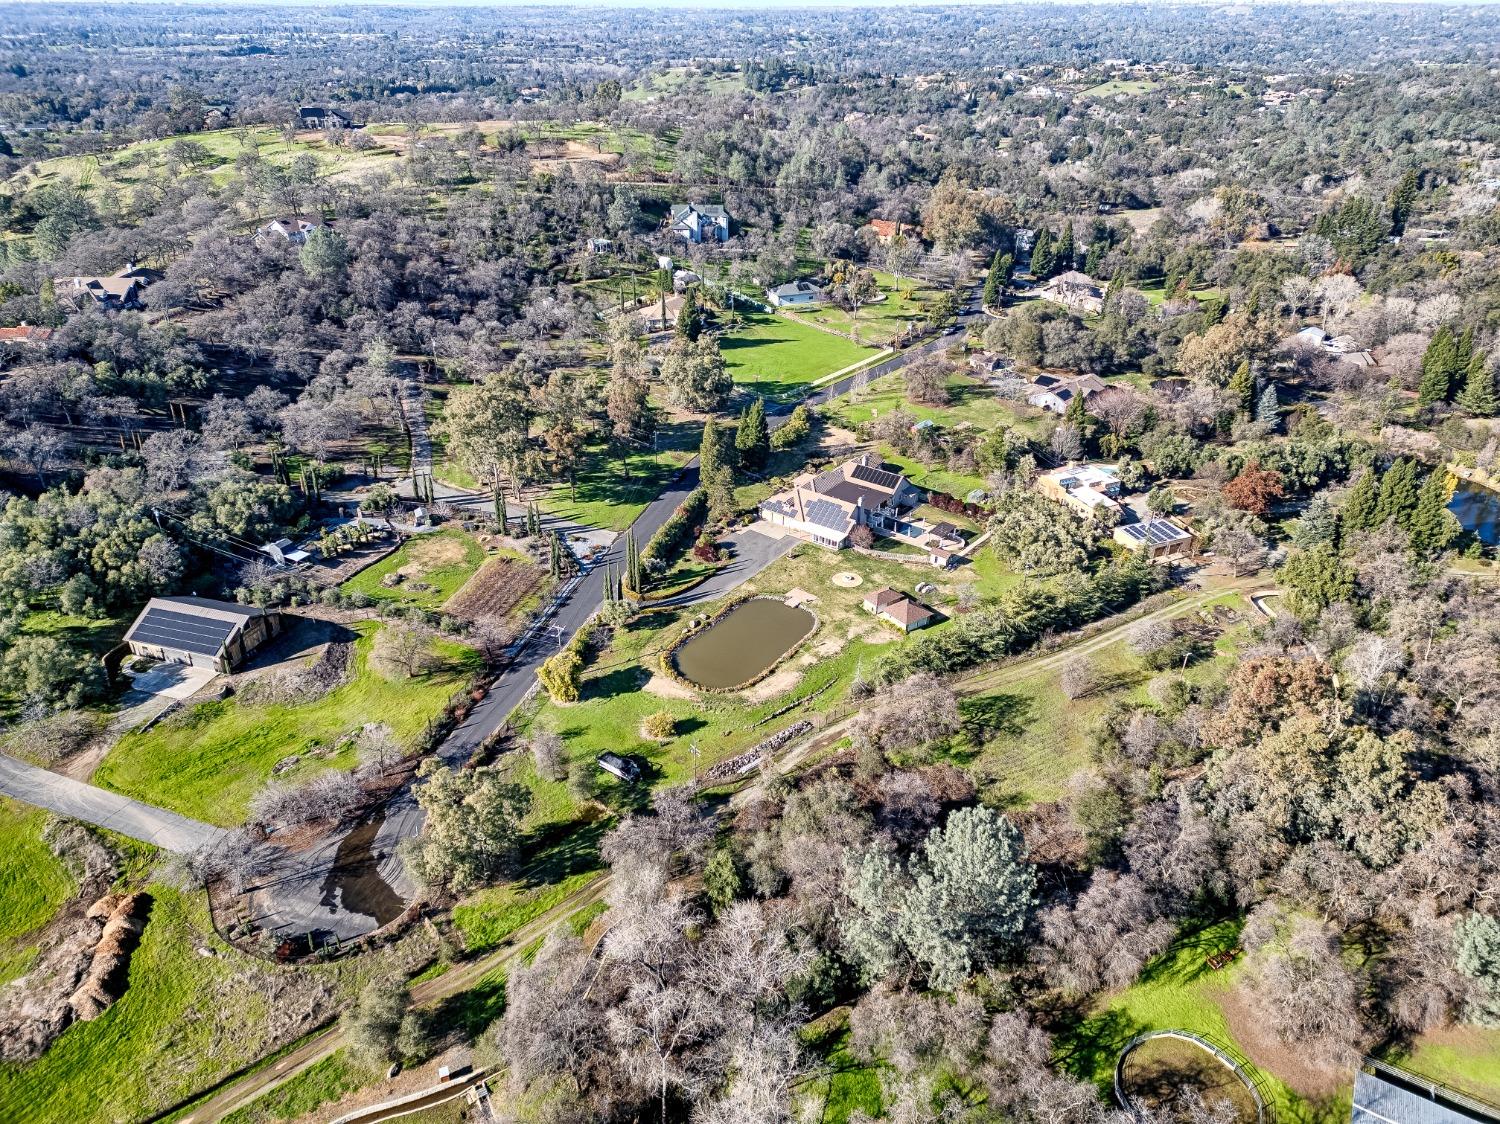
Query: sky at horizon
(779,5)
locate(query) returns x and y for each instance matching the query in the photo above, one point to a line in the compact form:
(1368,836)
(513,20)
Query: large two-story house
(699,222)
(119,290)
(825,507)
(292,228)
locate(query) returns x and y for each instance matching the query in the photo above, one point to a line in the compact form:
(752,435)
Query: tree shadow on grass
(469,1012)
(986,717)
(1186,959)
(624,680)
(561,850)
(1089,1047)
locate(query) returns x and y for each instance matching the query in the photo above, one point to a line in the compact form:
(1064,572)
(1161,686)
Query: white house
(825,507)
(1088,489)
(291,228)
(697,223)
(1056,392)
(795,293)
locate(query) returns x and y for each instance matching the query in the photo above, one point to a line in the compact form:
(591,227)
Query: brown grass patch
(1269,1053)
(430,553)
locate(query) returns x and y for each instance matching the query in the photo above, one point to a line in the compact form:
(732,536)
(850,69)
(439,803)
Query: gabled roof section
(877,477)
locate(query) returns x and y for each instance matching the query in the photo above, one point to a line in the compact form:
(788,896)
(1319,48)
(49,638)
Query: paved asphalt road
(306,892)
(67,797)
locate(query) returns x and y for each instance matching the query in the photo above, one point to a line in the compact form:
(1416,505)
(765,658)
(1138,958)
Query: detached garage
(201,632)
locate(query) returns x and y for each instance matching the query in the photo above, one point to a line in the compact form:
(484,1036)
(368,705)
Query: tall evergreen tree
(1076,415)
(710,450)
(1432,525)
(1242,386)
(1093,261)
(1359,508)
(753,440)
(1441,365)
(689,320)
(992,283)
(1478,395)
(1042,255)
(1268,408)
(1066,256)
(1398,494)
(1403,198)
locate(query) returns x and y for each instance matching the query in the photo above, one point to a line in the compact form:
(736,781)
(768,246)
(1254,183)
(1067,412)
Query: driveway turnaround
(102,808)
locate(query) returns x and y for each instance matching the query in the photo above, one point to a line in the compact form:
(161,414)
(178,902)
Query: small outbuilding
(908,615)
(201,632)
(1155,538)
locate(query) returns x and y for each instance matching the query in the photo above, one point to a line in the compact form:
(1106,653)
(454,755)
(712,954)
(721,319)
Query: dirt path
(461,977)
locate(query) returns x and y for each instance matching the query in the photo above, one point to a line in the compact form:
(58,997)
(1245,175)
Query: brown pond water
(743,643)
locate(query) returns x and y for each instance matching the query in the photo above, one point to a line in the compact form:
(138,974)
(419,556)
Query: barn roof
(190,624)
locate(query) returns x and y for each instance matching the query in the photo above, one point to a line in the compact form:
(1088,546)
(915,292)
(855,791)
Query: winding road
(304,892)
(236,1092)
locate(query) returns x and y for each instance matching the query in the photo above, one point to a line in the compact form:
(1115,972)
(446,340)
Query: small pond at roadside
(743,643)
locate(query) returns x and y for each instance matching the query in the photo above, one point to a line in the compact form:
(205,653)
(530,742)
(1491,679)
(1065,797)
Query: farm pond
(1478,510)
(744,643)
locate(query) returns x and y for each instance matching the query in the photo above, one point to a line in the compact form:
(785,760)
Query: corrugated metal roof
(1377,1101)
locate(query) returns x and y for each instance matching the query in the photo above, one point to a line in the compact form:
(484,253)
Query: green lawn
(210,759)
(441,561)
(1041,737)
(880,322)
(1466,1058)
(1132,87)
(775,356)
(1156,293)
(678,79)
(605,498)
(134,164)
(1177,991)
(319,1084)
(33,882)
(851,1086)
(970,403)
(488,917)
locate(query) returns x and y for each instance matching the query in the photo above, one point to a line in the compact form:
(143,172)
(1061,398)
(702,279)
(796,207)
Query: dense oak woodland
(1336,793)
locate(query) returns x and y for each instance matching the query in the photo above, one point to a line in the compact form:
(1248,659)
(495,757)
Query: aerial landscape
(750,565)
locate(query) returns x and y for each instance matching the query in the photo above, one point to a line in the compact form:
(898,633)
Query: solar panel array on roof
(826,514)
(1156,532)
(876,476)
(186,632)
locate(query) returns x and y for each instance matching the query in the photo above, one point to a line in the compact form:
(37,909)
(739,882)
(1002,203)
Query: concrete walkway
(79,801)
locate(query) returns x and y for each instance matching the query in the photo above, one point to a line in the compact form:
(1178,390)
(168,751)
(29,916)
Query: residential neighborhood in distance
(612,565)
